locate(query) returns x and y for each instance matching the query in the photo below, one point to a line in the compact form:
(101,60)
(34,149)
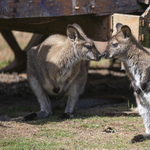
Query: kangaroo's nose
(99,56)
(104,54)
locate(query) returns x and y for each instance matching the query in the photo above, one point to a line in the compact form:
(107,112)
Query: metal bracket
(144,28)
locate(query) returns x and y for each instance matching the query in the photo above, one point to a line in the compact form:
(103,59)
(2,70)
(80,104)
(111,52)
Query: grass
(80,132)
(74,134)
(4,63)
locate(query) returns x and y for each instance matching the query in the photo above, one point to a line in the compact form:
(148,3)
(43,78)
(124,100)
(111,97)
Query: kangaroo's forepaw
(39,114)
(56,90)
(65,116)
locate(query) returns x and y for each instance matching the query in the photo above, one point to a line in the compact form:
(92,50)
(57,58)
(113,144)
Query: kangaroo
(58,66)
(136,59)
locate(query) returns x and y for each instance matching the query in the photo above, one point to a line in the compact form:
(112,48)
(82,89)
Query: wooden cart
(45,17)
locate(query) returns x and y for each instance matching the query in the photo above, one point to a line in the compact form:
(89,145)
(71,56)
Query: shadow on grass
(105,91)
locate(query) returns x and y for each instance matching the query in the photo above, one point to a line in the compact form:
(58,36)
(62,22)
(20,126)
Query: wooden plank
(131,20)
(51,8)
(93,25)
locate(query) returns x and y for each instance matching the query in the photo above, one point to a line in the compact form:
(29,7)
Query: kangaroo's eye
(88,47)
(115,44)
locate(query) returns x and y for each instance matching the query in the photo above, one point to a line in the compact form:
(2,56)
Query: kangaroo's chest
(135,72)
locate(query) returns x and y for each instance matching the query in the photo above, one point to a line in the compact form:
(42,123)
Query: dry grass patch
(84,132)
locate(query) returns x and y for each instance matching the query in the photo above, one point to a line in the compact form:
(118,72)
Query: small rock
(109,130)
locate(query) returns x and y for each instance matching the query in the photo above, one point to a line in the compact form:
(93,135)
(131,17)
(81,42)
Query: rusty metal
(51,8)
(76,7)
(92,7)
(145,30)
(142,23)
(142,37)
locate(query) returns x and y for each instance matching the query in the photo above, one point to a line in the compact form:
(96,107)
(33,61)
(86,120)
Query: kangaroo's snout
(104,54)
(99,57)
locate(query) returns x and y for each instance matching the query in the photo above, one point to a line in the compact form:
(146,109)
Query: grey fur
(59,66)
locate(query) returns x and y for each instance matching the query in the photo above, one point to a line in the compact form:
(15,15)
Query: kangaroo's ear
(126,31)
(72,33)
(118,26)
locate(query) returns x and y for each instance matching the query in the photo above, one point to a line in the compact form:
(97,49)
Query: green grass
(25,144)
(4,64)
(86,133)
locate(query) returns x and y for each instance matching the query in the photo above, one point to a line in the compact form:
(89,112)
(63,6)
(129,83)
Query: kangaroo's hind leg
(145,114)
(75,90)
(43,99)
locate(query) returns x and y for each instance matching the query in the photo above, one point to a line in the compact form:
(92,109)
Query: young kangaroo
(60,65)
(136,60)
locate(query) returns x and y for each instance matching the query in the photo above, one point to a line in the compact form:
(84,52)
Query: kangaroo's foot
(36,115)
(65,116)
(140,138)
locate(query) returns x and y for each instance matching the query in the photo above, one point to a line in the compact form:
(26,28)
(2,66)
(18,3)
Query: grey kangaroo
(136,59)
(58,66)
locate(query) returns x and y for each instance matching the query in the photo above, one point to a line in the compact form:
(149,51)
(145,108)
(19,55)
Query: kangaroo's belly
(63,75)
(61,79)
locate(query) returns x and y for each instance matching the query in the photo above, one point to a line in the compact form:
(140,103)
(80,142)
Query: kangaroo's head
(83,46)
(118,45)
